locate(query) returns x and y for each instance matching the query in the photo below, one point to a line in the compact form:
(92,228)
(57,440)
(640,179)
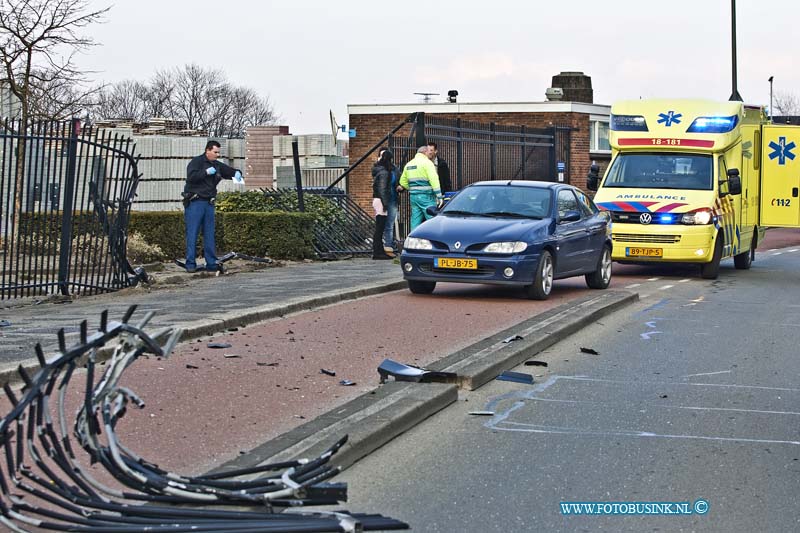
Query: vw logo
(646,218)
(457,245)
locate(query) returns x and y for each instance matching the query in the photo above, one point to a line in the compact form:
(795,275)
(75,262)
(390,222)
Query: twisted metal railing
(43,485)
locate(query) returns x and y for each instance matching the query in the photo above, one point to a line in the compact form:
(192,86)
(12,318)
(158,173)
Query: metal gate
(478,151)
(65,196)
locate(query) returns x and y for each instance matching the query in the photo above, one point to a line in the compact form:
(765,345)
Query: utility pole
(771,113)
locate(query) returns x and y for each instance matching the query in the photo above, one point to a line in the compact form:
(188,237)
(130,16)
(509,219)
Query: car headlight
(413,243)
(699,217)
(505,247)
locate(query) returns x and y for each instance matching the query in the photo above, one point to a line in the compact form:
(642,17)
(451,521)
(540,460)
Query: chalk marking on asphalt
(500,421)
(659,406)
(646,336)
(655,306)
(633,285)
(709,373)
(665,287)
(651,324)
(539,428)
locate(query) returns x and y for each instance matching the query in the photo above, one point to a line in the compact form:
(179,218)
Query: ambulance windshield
(661,171)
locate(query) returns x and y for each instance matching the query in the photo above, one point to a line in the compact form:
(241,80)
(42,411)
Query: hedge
(276,234)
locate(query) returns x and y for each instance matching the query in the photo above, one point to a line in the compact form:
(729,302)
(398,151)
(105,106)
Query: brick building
(588,122)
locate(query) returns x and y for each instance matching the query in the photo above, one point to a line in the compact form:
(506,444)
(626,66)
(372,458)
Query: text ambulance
(697,181)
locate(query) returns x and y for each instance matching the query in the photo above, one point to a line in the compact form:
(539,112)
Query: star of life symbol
(669,118)
(781,150)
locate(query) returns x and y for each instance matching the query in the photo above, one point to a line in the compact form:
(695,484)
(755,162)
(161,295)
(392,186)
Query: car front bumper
(490,269)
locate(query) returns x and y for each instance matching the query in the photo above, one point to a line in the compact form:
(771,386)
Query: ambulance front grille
(630,237)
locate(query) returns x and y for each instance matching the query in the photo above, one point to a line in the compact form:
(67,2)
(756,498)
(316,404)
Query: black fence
(476,151)
(65,196)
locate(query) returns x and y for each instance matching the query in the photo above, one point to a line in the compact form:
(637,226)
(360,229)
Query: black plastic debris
(219,345)
(589,351)
(327,372)
(516,377)
(481,413)
(4,323)
(513,338)
(535,363)
(192,367)
(267,364)
(401,372)
(347,383)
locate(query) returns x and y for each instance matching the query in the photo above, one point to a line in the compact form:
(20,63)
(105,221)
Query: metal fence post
(298,180)
(522,149)
(493,151)
(420,129)
(66,214)
(552,155)
(459,156)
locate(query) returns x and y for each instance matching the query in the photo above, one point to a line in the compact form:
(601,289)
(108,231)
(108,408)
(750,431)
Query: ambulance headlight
(699,217)
(413,243)
(628,123)
(505,247)
(713,124)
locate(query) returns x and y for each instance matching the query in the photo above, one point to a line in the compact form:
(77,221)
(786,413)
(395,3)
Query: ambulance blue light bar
(713,124)
(628,123)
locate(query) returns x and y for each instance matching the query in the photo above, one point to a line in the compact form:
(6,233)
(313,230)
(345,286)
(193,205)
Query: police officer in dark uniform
(203,174)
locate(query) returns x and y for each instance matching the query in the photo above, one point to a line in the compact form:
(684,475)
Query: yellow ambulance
(697,181)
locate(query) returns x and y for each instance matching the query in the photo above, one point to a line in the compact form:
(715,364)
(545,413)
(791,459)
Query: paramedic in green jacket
(419,178)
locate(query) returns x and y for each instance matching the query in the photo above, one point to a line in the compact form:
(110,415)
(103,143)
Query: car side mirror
(570,216)
(432,210)
(734,182)
(593,179)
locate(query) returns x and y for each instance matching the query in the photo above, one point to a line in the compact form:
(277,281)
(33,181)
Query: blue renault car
(525,233)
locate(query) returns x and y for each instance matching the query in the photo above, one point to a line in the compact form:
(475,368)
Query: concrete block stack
(321,160)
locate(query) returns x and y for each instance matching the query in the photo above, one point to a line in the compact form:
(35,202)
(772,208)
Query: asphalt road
(693,396)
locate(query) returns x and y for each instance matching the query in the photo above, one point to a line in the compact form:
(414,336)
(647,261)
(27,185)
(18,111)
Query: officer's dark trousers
(200,215)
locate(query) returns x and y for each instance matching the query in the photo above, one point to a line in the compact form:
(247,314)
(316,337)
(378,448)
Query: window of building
(598,134)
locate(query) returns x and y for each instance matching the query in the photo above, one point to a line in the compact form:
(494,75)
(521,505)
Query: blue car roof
(520,183)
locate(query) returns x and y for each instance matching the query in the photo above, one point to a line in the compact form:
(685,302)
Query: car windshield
(661,171)
(502,201)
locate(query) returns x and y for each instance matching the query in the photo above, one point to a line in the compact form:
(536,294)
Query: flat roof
(480,107)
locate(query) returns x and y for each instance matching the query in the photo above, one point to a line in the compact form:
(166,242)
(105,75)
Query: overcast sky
(312,56)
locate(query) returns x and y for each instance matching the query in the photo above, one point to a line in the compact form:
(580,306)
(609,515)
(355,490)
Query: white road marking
(778,253)
(793,250)
(653,279)
(665,287)
(633,286)
(685,280)
(709,373)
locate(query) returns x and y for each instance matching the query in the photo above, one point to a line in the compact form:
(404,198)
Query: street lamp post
(735,96)
(771,113)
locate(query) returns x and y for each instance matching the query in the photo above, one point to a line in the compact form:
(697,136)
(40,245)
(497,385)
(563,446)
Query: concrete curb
(375,418)
(199,328)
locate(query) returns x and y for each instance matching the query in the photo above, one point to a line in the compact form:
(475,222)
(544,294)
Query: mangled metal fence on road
(43,484)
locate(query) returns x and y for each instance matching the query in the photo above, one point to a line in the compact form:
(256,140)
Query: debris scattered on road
(481,413)
(401,372)
(4,323)
(267,364)
(347,383)
(219,345)
(535,363)
(301,417)
(589,351)
(290,332)
(233,329)
(516,377)
(192,367)
(231,356)
(513,338)
(327,372)
(664,396)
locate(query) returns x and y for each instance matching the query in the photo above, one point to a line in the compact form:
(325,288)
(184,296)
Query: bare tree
(786,104)
(203,97)
(38,43)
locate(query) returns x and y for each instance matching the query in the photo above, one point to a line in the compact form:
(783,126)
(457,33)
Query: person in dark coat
(203,174)
(381,197)
(441,169)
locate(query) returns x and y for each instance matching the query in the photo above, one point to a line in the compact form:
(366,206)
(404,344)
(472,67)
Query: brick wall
(371,128)
(258,158)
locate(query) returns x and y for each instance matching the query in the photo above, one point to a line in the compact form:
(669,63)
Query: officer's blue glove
(237,178)
(211,171)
